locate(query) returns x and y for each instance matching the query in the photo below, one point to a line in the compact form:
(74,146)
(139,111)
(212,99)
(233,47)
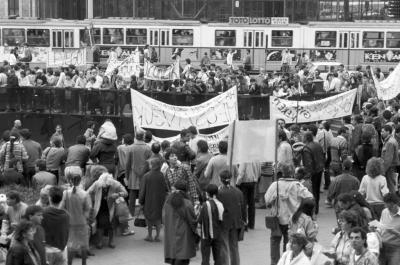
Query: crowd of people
(95,91)
(93,188)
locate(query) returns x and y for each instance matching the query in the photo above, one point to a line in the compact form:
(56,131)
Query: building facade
(205,10)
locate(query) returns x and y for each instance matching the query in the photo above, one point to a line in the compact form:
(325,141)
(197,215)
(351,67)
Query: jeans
(230,247)
(391,179)
(390,255)
(133,195)
(248,190)
(208,245)
(276,244)
(316,186)
(28,175)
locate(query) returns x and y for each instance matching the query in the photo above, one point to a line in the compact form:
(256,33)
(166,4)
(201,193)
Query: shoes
(157,239)
(99,246)
(148,239)
(111,245)
(128,233)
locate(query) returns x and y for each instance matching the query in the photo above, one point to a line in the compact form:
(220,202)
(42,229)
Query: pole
(233,8)
(276,151)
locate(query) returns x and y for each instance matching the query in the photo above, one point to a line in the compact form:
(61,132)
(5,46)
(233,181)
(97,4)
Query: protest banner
(308,111)
(252,141)
(126,68)
(154,72)
(390,87)
(212,139)
(57,58)
(150,113)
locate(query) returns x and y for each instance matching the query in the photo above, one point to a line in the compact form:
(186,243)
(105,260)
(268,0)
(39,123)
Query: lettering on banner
(154,72)
(338,106)
(67,57)
(392,56)
(149,113)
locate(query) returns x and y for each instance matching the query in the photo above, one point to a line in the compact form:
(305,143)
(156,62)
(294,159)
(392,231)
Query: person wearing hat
(180,226)
(233,218)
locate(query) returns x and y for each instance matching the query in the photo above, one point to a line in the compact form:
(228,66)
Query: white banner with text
(308,111)
(153,114)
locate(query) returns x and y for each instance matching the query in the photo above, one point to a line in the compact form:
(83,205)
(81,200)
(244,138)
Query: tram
(375,43)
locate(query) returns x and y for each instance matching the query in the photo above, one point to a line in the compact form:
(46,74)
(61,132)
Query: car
(324,68)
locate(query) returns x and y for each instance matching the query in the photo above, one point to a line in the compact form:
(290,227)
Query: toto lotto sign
(259,20)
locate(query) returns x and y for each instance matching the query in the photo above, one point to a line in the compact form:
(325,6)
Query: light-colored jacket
(137,156)
(300,259)
(291,192)
(249,172)
(96,194)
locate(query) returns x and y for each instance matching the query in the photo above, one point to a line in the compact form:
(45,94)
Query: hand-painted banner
(212,139)
(126,68)
(307,111)
(154,72)
(150,113)
(390,87)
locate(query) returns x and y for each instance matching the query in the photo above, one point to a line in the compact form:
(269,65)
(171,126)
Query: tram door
(256,41)
(349,44)
(160,39)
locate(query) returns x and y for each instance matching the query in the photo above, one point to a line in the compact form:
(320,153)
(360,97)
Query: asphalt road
(254,250)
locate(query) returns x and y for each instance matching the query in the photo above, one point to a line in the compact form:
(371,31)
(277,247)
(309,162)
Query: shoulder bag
(271,218)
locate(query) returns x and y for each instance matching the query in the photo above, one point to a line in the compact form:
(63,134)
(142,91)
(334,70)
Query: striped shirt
(182,171)
(19,152)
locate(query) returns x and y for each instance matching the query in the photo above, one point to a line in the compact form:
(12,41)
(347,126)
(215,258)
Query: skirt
(78,237)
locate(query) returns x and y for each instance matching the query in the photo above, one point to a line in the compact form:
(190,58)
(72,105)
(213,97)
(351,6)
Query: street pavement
(254,250)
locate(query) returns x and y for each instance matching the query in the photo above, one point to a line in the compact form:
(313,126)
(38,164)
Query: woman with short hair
(296,255)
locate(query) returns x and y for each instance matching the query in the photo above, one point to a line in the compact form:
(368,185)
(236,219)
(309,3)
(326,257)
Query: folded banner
(212,139)
(126,68)
(307,111)
(154,72)
(251,141)
(390,87)
(154,114)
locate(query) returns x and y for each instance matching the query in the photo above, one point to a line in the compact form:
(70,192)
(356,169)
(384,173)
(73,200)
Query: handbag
(140,221)
(271,218)
(122,211)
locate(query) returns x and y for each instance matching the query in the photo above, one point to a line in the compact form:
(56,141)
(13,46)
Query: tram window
(13,37)
(38,37)
(136,36)
(393,40)
(325,39)
(282,38)
(68,39)
(113,36)
(84,38)
(96,33)
(182,37)
(373,39)
(225,38)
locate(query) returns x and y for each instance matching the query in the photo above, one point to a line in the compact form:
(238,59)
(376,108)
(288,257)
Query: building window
(182,37)
(136,36)
(393,40)
(225,38)
(13,7)
(113,36)
(13,37)
(38,37)
(282,38)
(373,39)
(325,39)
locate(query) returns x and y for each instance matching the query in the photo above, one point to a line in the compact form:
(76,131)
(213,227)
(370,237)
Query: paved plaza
(254,250)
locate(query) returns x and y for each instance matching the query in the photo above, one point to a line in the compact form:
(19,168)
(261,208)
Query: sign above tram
(259,20)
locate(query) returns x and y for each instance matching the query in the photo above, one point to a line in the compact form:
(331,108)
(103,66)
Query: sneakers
(128,233)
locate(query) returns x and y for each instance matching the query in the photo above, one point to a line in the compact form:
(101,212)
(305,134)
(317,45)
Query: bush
(28,195)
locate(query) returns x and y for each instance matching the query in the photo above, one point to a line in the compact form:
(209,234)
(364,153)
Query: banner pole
(276,151)
(232,141)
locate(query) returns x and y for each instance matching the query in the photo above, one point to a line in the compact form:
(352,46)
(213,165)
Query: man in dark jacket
(210,219)
(104,151)
(56,226)
(314,162)
(183,151)
(233,218)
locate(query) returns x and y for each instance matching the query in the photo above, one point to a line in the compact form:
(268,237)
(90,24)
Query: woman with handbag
(180,226)
(104,193)
(77,202)
(282,199)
